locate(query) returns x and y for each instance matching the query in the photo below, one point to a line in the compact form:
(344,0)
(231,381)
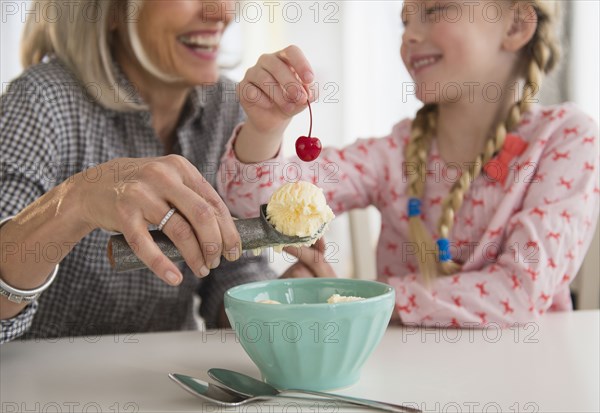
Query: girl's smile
(420,62)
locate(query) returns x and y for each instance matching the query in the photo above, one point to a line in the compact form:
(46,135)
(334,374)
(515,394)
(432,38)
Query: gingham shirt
(49,130)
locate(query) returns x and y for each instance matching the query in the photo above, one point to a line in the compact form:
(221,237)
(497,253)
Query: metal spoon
(251,387)
(218,395)
(254,233)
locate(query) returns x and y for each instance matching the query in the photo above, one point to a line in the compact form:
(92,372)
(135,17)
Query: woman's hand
(126,195)
(271,93)
(311,262)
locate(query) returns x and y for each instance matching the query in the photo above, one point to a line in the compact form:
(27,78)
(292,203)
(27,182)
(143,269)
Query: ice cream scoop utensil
(254,232)
(249,386)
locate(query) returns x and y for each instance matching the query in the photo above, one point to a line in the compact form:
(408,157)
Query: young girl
(488,201)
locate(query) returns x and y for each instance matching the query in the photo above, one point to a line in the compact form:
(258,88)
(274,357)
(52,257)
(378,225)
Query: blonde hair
(540,56)
(81,38)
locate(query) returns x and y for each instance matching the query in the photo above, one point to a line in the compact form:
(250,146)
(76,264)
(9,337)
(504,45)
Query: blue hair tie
(414,207)
(444,248)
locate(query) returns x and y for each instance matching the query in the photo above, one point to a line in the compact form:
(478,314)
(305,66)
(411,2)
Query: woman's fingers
(202,228)
(179,230)
(141,242)
(202,206)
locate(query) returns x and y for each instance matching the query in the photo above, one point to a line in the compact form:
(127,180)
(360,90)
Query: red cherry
(307,148)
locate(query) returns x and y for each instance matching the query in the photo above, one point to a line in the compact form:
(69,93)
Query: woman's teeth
(201,41)
(425,61)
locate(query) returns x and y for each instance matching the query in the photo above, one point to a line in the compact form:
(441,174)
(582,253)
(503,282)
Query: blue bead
(414,207)
(444,248)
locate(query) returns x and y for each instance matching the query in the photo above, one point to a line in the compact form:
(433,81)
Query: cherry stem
(310,114)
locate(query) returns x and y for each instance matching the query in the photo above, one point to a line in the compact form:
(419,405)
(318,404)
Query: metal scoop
(254,232)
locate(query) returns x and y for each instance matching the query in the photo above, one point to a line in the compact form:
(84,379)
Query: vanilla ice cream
(336,298)
(269,302)
(299,209)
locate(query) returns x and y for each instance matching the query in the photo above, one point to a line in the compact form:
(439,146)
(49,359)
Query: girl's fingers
(294,90)
(313,259)
(254,95)
(293,56)
(320,245)
(273,90)
(298,270)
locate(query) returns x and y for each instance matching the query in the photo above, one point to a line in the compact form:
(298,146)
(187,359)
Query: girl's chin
(428,98)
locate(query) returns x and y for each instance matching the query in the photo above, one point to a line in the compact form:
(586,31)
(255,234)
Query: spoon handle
(388,407)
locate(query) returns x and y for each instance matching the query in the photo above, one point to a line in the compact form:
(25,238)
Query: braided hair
(540,56)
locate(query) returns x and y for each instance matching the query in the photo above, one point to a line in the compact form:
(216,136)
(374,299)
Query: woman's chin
(201,77)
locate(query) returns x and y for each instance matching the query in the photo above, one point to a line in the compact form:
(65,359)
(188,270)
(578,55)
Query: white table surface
(551,365)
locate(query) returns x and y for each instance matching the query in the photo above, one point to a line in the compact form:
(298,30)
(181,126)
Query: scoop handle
(254,233)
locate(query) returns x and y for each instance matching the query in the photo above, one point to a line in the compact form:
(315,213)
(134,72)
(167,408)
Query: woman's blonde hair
(79,34)
(540,56)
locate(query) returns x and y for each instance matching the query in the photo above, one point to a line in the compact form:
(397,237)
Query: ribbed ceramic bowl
(305,343)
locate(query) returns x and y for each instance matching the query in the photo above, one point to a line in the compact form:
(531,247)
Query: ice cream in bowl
(310,333)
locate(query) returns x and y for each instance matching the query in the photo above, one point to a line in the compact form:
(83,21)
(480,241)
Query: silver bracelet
(24,296)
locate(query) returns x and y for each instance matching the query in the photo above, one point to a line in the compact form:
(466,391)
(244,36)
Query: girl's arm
(350,177)
(271,93)
(542,252)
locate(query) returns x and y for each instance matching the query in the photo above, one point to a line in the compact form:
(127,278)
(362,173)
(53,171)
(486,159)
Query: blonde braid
(541,55)
(416,153)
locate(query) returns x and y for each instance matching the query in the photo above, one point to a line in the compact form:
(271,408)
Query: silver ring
(166,218)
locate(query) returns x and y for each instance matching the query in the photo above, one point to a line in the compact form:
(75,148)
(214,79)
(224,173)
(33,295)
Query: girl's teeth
(424,62)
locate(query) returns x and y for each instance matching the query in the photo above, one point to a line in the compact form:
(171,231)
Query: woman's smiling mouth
(203,44)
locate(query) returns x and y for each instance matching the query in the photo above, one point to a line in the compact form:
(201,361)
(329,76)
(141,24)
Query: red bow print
(498,167)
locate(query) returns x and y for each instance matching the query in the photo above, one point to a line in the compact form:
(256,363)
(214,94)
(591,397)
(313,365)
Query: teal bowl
(305,343)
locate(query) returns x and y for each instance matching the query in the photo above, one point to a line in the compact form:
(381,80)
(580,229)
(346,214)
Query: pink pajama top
(521,241)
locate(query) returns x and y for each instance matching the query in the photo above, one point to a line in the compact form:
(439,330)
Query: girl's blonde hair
(79,34)
(540,56)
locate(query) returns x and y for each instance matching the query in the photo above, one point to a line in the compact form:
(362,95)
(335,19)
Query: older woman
(119,123)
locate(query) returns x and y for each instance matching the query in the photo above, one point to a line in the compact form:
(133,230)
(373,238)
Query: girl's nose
(413,33)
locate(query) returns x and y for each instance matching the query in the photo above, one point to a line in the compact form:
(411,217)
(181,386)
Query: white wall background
(354,49)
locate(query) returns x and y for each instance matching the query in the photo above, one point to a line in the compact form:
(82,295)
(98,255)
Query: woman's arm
(37,239)
(126,195)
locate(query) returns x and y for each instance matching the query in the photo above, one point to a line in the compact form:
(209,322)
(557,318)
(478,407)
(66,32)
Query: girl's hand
(126,195)
(311,262)
(276,89)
